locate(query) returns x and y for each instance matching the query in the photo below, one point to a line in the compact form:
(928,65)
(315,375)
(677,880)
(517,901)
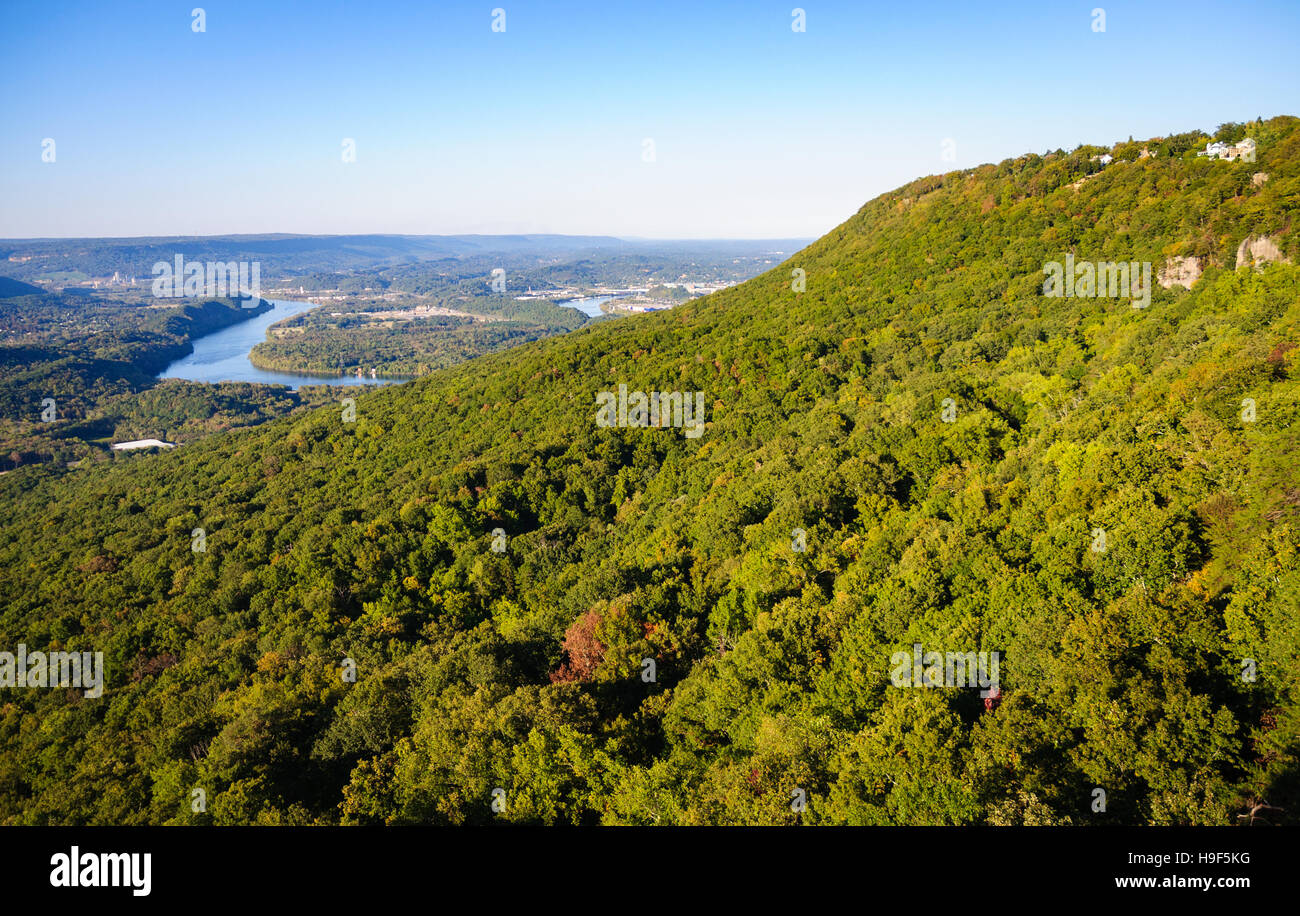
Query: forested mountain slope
(76,369)
(1161,670)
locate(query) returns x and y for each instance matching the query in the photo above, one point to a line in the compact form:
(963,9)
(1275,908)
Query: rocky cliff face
(1258,252)
(1181,271)
(1251,252)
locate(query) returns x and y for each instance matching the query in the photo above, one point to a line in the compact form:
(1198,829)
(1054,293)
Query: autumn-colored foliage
(584,651)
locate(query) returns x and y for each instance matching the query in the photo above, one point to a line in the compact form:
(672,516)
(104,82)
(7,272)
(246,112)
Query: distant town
(630,299)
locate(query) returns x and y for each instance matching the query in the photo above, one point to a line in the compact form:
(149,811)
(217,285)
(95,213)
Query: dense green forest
(462,600)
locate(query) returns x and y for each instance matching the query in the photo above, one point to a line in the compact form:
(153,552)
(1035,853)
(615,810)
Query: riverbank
(225,356)
(320,372)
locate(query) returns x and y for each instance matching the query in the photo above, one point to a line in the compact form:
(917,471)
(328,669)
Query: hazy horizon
(275,234)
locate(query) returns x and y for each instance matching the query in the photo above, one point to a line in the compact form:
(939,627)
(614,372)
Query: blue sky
(758,131)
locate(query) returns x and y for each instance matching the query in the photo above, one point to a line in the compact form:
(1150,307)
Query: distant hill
(280,254)
(135,257)
(276,253)
(469,588)
(10,288)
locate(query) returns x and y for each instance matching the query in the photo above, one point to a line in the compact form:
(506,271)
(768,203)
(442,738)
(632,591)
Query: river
(223,356)
(589,306)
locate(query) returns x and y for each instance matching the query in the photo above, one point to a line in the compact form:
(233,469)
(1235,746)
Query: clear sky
(758,131)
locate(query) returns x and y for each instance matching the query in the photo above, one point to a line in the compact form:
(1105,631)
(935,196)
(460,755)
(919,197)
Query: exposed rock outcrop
(1181,271)
(1258,252)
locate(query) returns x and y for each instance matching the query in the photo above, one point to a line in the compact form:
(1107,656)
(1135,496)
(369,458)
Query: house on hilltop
(1243,150)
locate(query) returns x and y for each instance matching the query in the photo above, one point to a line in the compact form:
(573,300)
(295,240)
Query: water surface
(223,356)
(589,306)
